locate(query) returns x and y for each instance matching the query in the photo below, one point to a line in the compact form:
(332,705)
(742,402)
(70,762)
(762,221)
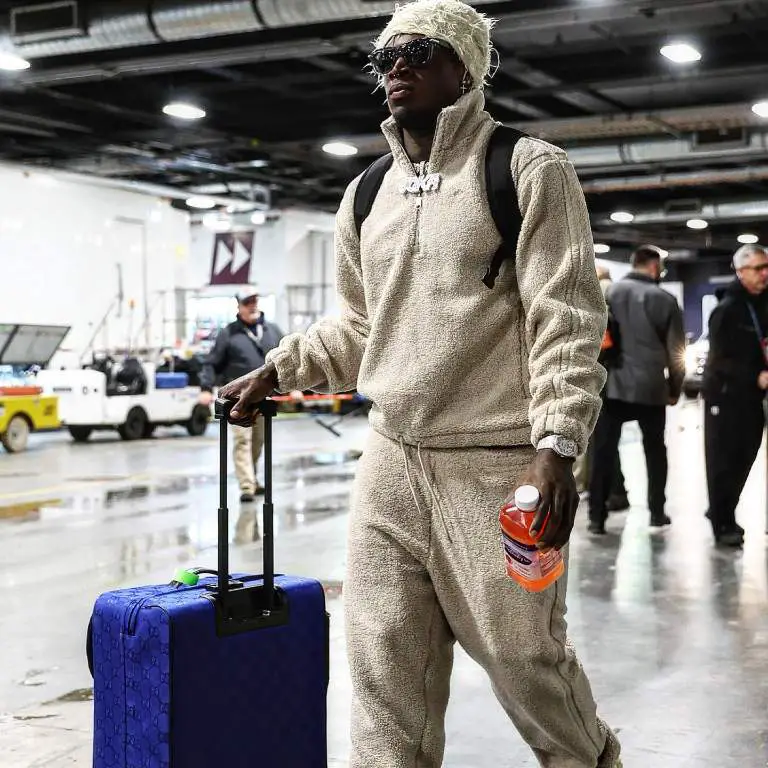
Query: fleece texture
(446,361)
(459,25)
(425,568)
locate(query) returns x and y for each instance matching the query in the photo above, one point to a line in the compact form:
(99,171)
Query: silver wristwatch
(562,446)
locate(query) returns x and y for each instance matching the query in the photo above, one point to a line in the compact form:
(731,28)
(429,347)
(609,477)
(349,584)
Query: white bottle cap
(527,498)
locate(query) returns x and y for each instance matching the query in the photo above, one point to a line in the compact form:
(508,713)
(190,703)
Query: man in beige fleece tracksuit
(475,391)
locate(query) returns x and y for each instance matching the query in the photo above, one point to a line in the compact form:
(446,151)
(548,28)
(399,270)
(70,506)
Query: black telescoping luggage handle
(268,410)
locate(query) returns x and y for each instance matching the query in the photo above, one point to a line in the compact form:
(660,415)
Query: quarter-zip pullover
(446,361)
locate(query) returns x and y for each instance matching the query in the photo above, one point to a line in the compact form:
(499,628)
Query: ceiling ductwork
(671,180)
(595,158)
(628,153)
(127,23)
(725,211)
(297,13)
(38,33)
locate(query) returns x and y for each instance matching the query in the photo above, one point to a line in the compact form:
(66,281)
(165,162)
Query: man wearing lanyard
(735,383)
(240,348)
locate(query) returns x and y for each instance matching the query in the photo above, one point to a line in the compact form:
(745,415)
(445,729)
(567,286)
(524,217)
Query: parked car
(695,362)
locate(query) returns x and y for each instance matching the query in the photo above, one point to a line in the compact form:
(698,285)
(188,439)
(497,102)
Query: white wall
(60,244)
(617,268)
(297,249)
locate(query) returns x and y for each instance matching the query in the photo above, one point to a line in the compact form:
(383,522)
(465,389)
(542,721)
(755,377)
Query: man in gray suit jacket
(646,379)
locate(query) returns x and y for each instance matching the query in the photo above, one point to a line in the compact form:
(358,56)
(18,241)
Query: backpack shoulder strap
(502,196)
(368,188)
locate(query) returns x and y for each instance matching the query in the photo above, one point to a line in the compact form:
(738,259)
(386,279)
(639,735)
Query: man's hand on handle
(247,392)
(553,476)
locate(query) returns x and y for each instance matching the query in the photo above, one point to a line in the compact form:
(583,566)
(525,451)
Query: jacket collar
(455,125)
(736,290)
(240,323)
(641,277)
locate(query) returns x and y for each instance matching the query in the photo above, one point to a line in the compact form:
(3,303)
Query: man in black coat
(239,349)
(647,377)
(735,382)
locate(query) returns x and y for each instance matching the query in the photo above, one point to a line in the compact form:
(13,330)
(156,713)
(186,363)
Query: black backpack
(499,184)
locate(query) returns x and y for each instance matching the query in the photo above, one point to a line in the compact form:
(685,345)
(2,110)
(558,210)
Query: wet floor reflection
(319,460)
(26,512)
(288,517)
(303,480)
(73,697)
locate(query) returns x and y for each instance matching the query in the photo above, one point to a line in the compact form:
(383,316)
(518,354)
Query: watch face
(565,447)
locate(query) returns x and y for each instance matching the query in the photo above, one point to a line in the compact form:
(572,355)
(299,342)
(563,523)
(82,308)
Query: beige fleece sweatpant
(248,444)
(425,568)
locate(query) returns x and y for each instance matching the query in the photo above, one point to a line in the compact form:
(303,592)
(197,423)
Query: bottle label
(527,561)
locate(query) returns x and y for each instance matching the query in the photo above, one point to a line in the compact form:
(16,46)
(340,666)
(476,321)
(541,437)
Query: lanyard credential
(759,331)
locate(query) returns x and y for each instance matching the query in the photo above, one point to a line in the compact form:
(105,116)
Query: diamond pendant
(416,185)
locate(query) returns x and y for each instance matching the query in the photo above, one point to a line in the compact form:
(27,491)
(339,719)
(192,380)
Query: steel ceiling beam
(672,180)
(734,210)
(525,73)
(667,241)
(657,82)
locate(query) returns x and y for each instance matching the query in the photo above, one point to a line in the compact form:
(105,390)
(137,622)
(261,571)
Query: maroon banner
(231,262)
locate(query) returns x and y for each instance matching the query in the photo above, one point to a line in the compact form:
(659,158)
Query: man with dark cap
(239,348)
(646,379)
(477,388)
(735,383)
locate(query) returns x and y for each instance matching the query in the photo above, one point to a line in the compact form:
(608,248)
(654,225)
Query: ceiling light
(602,248)
(747,239)
(622,217)
(761,108)
(258,218)
(340,148)
(12,63)
(184,111)
(681,53)
(202,202)
(696,224)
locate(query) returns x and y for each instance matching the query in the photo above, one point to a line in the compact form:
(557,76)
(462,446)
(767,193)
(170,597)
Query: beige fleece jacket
(446,361)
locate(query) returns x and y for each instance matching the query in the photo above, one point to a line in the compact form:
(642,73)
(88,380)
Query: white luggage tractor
(129,396)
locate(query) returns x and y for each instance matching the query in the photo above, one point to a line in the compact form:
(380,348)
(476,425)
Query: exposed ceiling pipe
(602,157)
(670,180)
(132,22)
(627,124)
(729,210)
(664,150)
(125,23)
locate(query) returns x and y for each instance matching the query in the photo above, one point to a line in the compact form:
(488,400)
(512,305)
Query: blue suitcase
(222,673)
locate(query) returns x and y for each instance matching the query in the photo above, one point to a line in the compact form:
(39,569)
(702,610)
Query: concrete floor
(673,633)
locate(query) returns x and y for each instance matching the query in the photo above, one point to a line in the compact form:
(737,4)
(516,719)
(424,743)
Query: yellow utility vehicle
(24,409)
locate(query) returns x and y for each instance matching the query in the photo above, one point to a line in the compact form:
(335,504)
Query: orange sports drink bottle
(531,568)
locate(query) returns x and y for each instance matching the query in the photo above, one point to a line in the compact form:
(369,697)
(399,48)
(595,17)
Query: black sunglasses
(416,53)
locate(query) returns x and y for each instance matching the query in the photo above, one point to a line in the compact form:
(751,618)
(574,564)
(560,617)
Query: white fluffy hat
(459,25)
